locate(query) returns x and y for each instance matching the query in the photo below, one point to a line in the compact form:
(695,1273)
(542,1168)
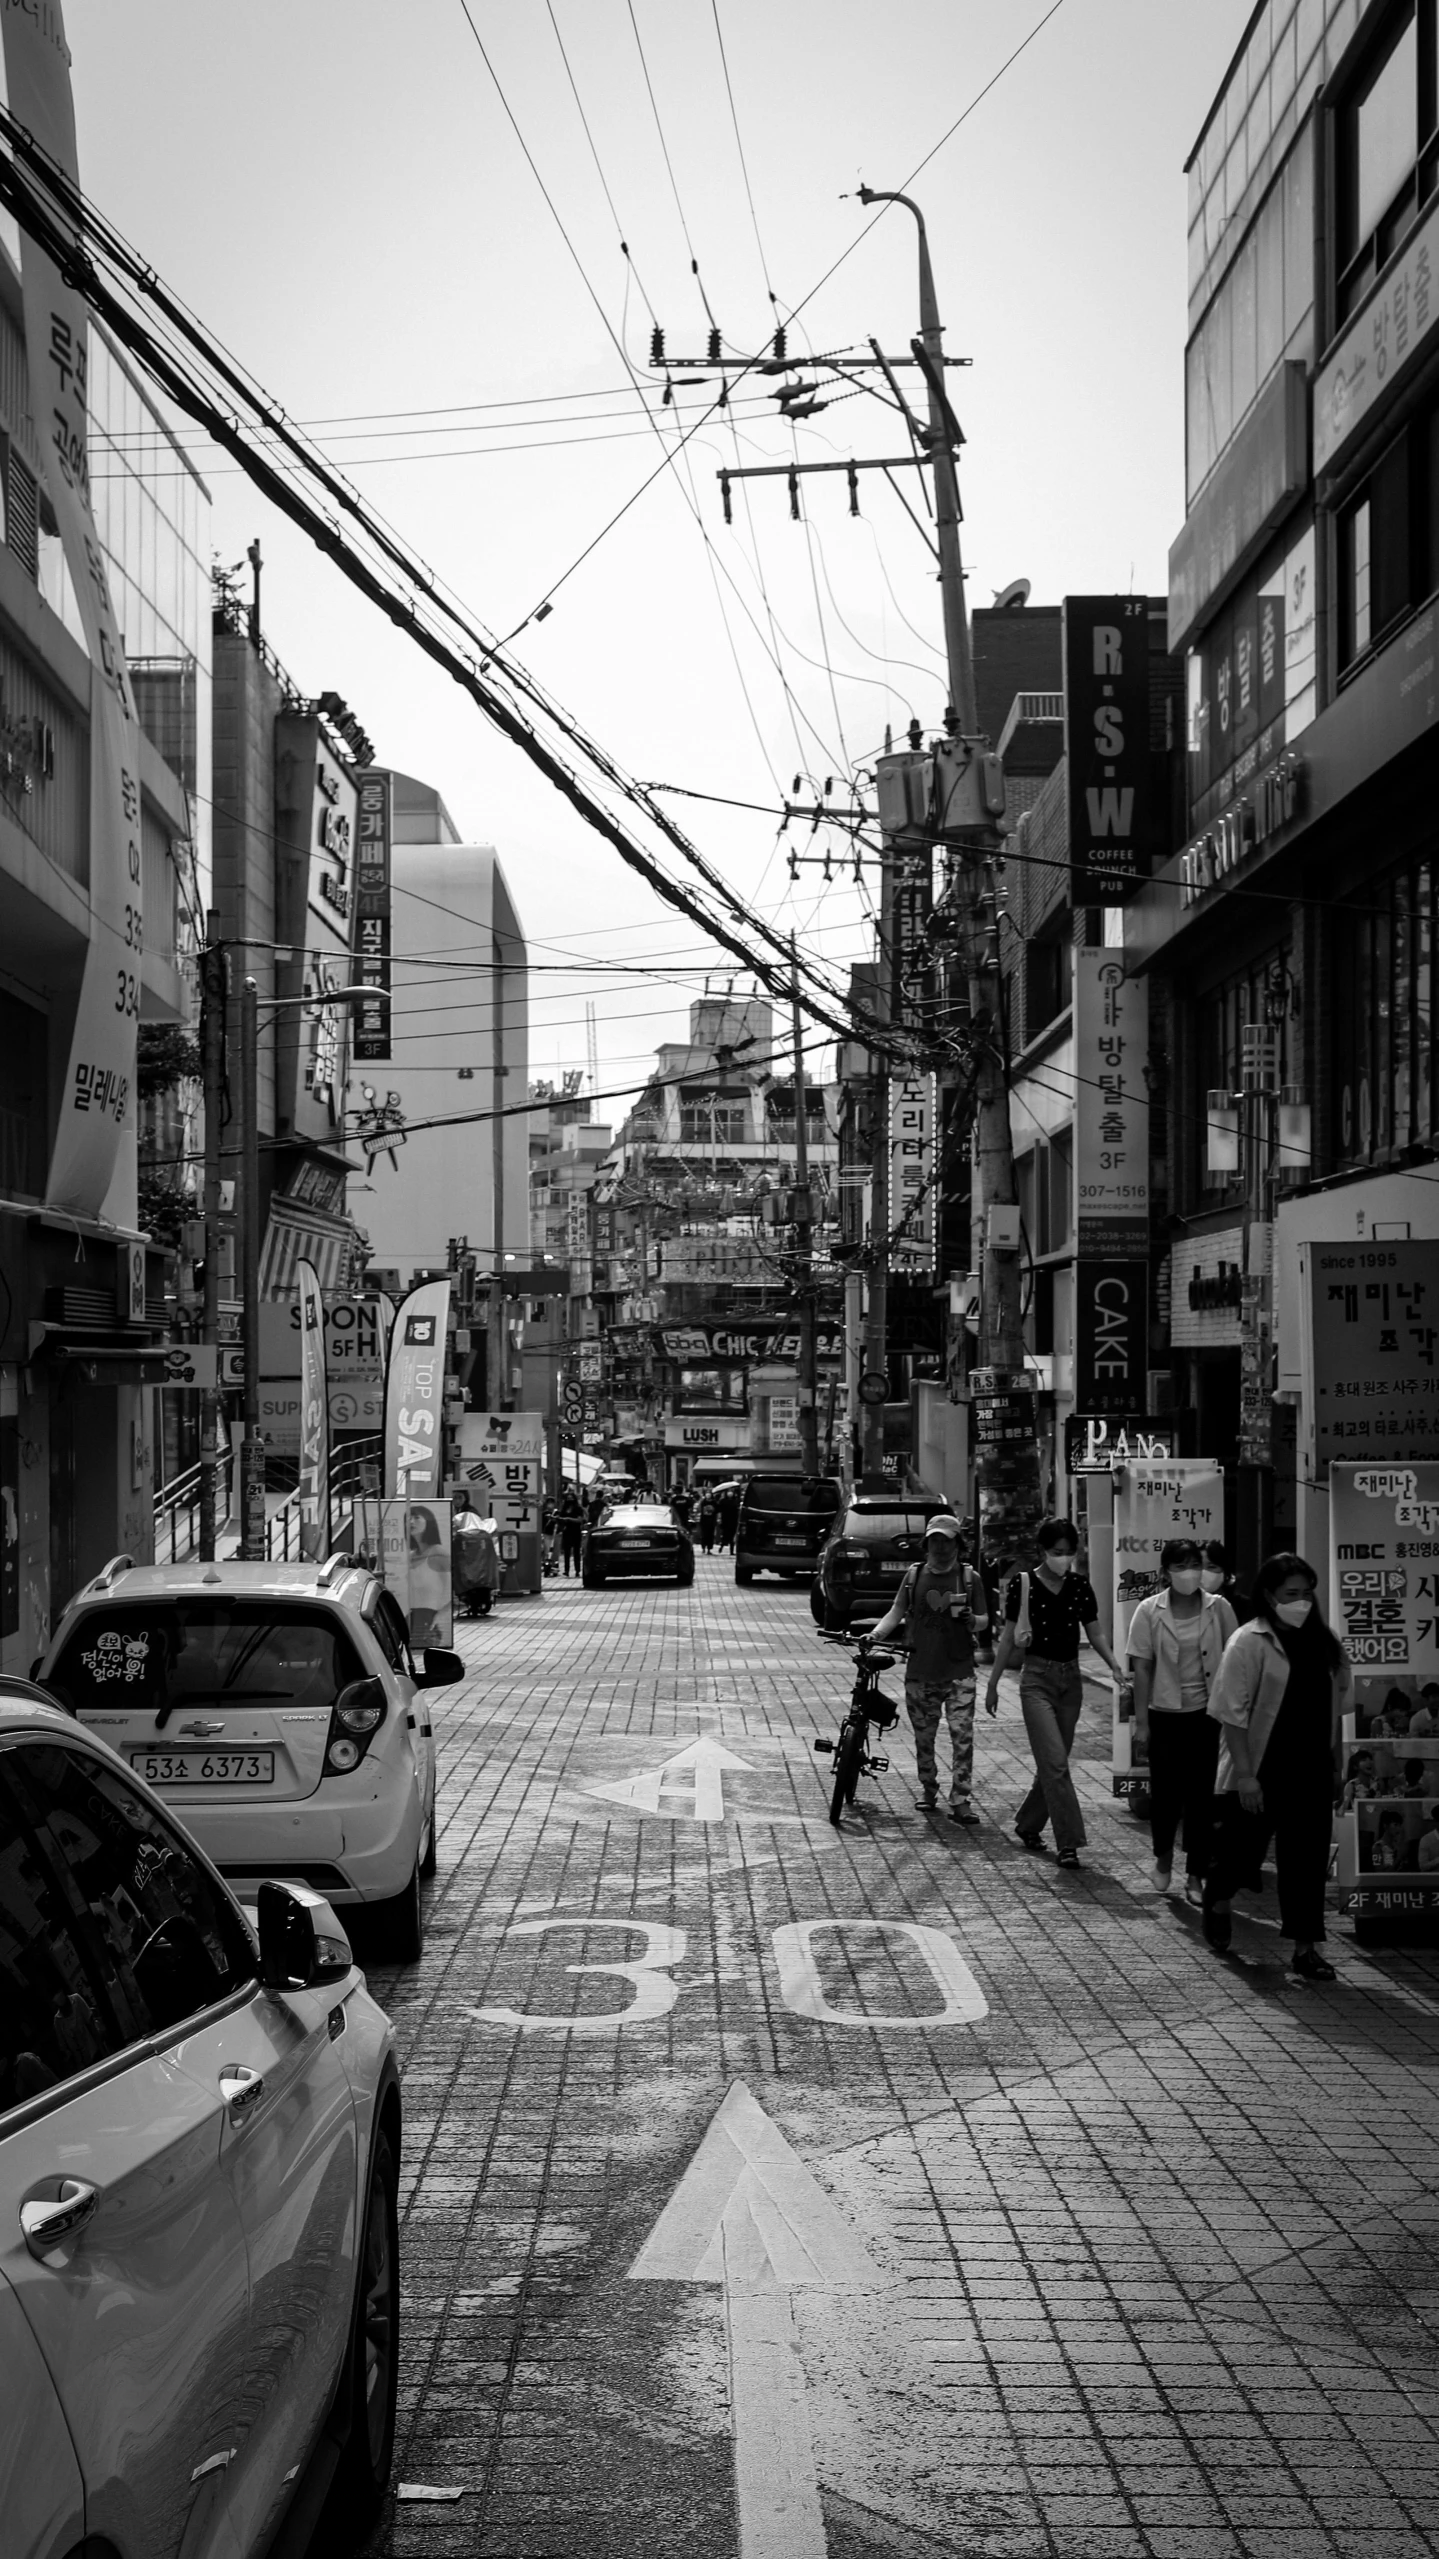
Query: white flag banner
(98,1102)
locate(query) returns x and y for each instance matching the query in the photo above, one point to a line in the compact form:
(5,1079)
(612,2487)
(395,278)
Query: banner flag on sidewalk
(414,1390)
(314,1416)
(97,1104)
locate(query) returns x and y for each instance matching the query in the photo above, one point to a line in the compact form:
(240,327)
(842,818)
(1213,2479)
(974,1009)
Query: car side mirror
(441,1669)
(302,1945)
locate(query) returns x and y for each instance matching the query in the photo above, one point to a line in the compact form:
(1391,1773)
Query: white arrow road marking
(747,2214)
(689,1787)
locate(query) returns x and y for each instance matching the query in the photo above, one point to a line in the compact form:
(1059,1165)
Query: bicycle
(868,1705)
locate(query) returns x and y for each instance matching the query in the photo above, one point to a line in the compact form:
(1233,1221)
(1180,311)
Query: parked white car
(278,1709)
(199,2154)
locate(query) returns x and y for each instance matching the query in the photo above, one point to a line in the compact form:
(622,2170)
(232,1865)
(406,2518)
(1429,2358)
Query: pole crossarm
(802,470)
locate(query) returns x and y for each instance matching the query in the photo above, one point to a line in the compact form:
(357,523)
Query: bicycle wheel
(846,1771)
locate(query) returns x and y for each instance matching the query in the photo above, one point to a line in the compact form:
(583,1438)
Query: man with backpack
(940,1607)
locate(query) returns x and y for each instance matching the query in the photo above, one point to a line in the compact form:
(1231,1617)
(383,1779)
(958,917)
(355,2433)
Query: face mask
(1185,1583)
(1059,1563)
(1211,1578)
(1292,1612)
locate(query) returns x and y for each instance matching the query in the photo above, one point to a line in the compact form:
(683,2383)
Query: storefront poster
(1178,1497)
(502,1457)
(410,1544)
(97,1100)
(414,1391)
(1384,1601)
(1370,1373)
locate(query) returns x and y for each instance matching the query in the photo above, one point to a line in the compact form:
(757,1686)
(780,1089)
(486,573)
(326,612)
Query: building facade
(1293,932)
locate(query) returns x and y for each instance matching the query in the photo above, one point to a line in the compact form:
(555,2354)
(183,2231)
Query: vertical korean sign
(415,1390)
(912,1172)
(1111,1183)
(1384,1601)
(314,1415)
(98,1101)
(1106,738)
(372,917)
(501,1458)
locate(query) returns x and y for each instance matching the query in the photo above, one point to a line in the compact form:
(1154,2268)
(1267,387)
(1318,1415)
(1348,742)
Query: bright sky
(336,187)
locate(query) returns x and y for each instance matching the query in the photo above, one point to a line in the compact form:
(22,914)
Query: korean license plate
(635,1541)
(791,1541)
(205,1767)
(891,1572)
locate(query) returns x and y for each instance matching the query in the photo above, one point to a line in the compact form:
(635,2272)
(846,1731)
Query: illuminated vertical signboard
(372,918)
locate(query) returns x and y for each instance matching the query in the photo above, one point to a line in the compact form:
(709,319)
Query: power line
(669,166)
(599,171)
(743,163)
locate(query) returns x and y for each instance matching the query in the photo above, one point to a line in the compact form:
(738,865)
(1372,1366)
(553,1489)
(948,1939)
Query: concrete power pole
(212,1048)
(968,787)
(804,1224)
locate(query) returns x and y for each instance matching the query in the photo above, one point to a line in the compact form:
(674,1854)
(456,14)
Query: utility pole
(212,1051)
(874,1371)
(1008,1474)
(808,1362)
(252,1453)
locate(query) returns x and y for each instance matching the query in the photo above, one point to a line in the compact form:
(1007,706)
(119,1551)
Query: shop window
(1387,150)
(1264,993)
(1388,541)
(1384,1066)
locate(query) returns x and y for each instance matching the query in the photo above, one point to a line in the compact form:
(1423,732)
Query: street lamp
(252,1456)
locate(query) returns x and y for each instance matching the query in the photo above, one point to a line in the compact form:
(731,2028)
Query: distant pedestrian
(572,1528)
(1216,1576)
(941,1608)
(706,1523)
(550,1532)
(1045,1612)
(1283,1686)
(681,1506)
(728,1517)
(1176,1644)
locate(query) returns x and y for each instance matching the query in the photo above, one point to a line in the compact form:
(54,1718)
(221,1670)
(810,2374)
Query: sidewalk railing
(177,1512)
(355,1471)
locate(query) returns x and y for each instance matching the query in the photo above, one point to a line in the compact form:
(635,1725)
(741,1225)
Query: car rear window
(873,1528)
(152,1656)
(786,1494)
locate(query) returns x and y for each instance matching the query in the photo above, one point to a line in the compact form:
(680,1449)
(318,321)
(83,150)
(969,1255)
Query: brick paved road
(1153,2243)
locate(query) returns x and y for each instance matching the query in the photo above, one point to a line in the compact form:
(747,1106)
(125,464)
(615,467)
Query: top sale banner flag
(414,1391)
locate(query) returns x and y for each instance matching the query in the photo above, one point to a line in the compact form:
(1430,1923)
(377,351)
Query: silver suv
(199,2153)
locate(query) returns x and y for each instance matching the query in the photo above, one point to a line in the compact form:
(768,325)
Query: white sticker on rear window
(116,1657)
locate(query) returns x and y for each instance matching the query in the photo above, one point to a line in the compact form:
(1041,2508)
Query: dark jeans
(1183,1759)
(1297,1817)
(1050,1696)
(570,1547)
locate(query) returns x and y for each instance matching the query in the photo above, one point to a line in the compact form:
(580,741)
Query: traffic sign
(873,1387)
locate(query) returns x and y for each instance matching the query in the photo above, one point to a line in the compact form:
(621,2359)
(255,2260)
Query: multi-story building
(1295,928)
(83,1296)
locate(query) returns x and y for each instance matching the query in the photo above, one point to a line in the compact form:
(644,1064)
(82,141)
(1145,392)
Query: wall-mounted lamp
(1295,1151)
(1221,1131)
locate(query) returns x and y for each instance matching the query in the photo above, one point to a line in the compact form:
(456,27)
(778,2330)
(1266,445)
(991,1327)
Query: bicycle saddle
(880,1661)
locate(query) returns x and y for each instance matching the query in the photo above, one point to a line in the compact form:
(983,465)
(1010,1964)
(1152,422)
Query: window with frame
(1384,1062)
(714,1119)
(1254,995)
(1387,150)
(1387,542)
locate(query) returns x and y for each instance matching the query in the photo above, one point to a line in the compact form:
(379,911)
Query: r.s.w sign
(1106,734)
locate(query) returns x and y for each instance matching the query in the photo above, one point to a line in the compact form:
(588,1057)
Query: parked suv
(279,1710)
(783,1522)
(870,1548)
(199,2156)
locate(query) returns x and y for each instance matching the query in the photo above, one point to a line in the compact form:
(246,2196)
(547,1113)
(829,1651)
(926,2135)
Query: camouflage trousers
(927,1700)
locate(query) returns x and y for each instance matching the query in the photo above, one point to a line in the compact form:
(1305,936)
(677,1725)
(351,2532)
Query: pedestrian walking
(941,1607)
(1045,1612)
(550,1534)
(1176,1643)
(706,1523)
(728,1519)
(681,1507)
(1284,1684)
(572,1529)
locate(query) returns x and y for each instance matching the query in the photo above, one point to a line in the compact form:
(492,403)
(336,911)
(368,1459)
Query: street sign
(873,1388)
(232,1368)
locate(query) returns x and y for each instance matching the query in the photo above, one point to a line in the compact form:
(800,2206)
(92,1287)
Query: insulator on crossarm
(714,347)
(853,490)
(794,495)
(657,346)
(725,496)
(781,347)
(668,401)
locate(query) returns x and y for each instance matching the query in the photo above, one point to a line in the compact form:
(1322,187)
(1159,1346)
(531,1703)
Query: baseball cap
(941,1525)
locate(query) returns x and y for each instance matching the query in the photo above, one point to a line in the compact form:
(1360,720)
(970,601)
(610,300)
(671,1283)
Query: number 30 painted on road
(799,1982)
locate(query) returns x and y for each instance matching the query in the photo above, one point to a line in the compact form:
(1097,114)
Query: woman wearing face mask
(1216,1576)
(1044,1612)
(1283,1686)
(1176,1643)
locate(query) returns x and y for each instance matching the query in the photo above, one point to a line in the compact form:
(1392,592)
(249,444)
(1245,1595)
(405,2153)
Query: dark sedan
(875,1539)
(638,1542)
(783,1522)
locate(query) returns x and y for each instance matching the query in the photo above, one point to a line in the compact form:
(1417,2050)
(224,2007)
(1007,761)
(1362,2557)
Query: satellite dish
(1012,598)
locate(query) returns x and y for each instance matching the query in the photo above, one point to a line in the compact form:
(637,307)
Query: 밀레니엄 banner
(1384,1601)
(314,1415)
(1177,1497)
(414,1391)
(97,1104)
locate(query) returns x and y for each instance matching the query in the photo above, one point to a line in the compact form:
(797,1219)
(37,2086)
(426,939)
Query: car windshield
(152,1656)
(652,1516)
(873,1528)
(789,1493)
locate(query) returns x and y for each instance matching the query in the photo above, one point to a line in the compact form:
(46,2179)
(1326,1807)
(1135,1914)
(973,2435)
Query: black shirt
(1055,1617)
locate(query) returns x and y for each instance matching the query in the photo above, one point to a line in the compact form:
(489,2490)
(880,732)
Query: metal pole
(212,1037)
(808,1359)
(252,1454)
